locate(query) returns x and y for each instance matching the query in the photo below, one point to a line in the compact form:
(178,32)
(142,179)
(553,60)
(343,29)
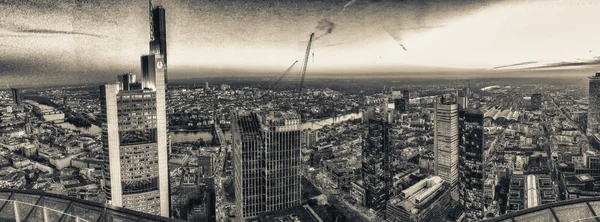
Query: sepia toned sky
(87,41)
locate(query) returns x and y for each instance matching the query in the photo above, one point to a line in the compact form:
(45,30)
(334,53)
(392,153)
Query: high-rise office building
(400,105)
(594,104)
(471,163)
(158,33)
(376,173)
(266,154)
(445,145)
(462,98)
(17,97)
(536,101)
(134,134)
(401,101)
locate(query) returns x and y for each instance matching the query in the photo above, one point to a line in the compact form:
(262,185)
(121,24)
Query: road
(581,130)
(336,199)
(220,162)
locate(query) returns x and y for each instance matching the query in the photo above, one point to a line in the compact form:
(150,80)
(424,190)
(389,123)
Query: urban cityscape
(294,145)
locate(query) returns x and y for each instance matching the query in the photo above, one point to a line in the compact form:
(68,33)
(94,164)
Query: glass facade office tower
(471,167)
(445,145)
(134,134)
(594,104)
(376,163)
(266,154)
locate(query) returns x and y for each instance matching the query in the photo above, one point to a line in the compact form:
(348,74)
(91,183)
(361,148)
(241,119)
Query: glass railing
(23,211)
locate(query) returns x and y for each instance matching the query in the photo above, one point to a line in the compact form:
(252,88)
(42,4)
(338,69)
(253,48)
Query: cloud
(592,62)
(513,65)
(421,27)
(349,4)
(396,38)
(330,45)
(325,25)
(6,46)
(402,46)
(50,31)
(554,65)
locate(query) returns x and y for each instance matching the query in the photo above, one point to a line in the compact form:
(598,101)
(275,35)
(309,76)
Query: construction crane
(262,86)
(303,71)
(272,86)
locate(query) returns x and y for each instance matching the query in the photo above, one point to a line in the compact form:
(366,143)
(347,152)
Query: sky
(88,41)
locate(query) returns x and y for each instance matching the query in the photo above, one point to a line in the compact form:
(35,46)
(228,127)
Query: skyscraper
(536,101)
(134,134)
(406,97)
(376,173)
(158,31)
(445,145)
(266,153)
(471,171)
(594,104)
(16,95)
(462,98)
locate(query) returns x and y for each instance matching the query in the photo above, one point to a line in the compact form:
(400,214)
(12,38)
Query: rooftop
(298,213)
(418,195)
(584,178)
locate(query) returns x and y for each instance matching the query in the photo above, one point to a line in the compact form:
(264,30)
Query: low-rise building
(358,192)
(427,200)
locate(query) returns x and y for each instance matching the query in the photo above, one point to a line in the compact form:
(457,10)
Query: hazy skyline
(91,41)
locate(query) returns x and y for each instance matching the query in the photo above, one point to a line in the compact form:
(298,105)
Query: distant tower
(536,101)
(158,33)
(376,173)
(594,104)
(406,97)
(267,161)
(135,170)
(17,97)
(462,98)
(445,145)
(28,127)
(471,167)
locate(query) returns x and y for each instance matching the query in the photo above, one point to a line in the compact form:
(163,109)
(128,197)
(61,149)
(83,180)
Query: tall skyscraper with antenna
(158,32)
(134,131)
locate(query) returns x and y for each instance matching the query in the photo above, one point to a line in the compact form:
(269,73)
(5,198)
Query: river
(187,136)
(318,124)
(94,129)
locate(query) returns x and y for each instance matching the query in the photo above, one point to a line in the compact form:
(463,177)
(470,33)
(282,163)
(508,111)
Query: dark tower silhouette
(158,33)
(471,163)
(375,164)
(17,97)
